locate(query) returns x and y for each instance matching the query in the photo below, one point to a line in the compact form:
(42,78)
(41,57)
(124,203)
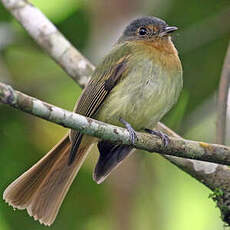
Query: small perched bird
(135,85)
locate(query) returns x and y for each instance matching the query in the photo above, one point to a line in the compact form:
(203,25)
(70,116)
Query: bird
(133,87)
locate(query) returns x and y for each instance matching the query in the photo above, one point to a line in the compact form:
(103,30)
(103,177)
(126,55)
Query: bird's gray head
(146,28)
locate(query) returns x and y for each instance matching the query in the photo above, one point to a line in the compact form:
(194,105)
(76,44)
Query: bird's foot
(162,136)
(130,129)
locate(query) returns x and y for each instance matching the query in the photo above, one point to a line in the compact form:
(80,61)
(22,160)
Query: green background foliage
(146,192)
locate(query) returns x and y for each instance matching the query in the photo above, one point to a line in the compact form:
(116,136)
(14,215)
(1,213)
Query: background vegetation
(146,192)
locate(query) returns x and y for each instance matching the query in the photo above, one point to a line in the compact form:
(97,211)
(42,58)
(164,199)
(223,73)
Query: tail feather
(43,187)
(19,193)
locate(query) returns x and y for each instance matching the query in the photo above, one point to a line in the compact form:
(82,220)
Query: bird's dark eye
(142,31)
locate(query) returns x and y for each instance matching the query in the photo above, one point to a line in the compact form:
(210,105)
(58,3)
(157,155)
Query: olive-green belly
(141,100)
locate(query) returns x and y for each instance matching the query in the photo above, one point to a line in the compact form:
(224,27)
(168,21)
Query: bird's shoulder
(119,54)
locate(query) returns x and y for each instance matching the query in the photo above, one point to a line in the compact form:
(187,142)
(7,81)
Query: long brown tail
(43,187)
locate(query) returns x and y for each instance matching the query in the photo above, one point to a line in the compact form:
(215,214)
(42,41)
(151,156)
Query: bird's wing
(105,77)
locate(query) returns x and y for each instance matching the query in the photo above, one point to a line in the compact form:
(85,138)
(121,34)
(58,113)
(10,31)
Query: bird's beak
(167,30)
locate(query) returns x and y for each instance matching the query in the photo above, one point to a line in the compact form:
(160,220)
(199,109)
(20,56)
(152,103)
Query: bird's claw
(132,133)
(162,136)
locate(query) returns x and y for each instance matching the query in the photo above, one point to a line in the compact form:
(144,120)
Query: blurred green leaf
(57,10)
(4,14)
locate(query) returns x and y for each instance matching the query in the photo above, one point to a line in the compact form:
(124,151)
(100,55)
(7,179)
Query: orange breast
(161,50)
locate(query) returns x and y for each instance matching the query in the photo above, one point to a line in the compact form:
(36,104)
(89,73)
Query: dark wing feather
(104,79)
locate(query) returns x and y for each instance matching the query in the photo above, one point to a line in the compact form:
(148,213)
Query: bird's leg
(162,136)
(130,129)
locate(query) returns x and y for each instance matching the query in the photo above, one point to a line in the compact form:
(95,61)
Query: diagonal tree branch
(177,146)
(51,40)
(214,176)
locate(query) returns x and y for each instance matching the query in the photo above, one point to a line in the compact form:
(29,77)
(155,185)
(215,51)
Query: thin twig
(223,100)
